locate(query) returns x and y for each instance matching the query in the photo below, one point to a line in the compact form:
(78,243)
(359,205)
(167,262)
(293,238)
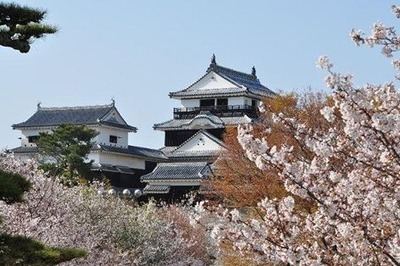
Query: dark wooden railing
(221,111)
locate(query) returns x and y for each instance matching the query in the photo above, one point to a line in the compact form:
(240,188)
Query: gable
(220,81)
(200,142)
(113,117)
(212,81)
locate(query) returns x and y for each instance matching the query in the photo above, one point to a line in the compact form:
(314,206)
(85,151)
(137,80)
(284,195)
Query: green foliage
(21,250)
(36,30)
(16,14)
(65,151)
(21,25)
(12,187)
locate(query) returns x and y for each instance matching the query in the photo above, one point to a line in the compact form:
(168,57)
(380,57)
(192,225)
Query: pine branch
(21,25)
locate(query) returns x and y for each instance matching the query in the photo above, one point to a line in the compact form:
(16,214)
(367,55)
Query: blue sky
(138,51)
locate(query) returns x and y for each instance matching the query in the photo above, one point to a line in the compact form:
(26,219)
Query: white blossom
(350,176)
(111,230)
(328,113)
(323,62)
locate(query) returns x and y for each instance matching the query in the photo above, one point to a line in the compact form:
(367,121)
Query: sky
(136,52)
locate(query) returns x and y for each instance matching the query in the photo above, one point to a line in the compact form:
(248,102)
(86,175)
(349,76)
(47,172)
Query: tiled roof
(247,80)
(113,168)
(168,149)
(218,122)
(178,171)
(181,123)
(135,151)
(208,115)
(246,83)
(156,189)
(80,115)
(193,155)
(24,150)
(131,150)
(208,93)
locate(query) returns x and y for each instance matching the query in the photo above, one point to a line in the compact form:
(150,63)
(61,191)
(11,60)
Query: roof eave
(154,158)
(155,180)
(126,127)
(197,96)
(183,128)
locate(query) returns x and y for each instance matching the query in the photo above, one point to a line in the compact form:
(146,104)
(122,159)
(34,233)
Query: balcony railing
(221,111)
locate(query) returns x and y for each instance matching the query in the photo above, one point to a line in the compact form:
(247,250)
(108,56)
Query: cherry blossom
(114,230)
(348,171)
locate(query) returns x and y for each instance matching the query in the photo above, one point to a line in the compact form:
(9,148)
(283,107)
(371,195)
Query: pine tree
(65,151)
(21,25)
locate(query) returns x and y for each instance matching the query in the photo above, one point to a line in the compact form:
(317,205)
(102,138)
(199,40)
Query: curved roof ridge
(207,115)
(162,123)
(77,107)
(218,68)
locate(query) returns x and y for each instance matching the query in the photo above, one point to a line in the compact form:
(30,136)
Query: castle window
(222,102)
(113,139)
(206,102)
(33,139)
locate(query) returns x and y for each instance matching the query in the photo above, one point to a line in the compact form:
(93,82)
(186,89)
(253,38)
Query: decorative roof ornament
(39,105)
(213,61)
(213,64)
(113,101)
(253,71)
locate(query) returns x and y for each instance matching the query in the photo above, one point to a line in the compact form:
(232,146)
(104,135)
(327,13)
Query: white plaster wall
(190,103)
(30,132)
(95,156)
(201,143)
(104,137)
(238,101)
(212,81)
(116,159)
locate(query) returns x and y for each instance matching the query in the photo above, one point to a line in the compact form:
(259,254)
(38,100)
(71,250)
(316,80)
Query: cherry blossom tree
(349,172)
(112,229)
(16,249)
(239,181)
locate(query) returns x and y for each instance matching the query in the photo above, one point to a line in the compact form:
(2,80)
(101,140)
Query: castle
(221,98)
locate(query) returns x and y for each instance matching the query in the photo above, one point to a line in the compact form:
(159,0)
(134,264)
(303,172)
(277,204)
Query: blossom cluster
(349,174)
(383,36)
(347,170)
(114,230)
